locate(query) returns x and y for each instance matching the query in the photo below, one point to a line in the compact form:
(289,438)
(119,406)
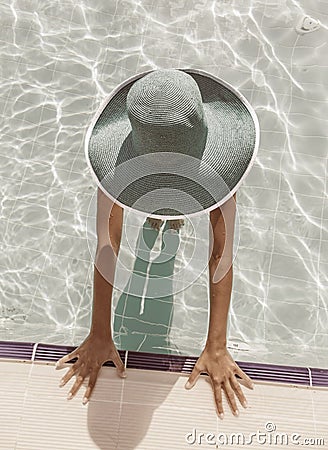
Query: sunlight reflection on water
(59,61)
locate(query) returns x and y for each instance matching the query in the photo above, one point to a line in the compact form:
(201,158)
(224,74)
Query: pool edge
(308,376)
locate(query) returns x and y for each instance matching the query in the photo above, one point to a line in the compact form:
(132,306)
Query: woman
(199,106)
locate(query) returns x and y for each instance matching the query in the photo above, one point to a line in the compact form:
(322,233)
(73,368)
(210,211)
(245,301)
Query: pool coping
(30,351)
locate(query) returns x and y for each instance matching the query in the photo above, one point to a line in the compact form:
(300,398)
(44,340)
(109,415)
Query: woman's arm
(215,359)
(222,222)
(98,347)
(109,231)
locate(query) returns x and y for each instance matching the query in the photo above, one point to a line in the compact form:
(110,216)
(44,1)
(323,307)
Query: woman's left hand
(221,368)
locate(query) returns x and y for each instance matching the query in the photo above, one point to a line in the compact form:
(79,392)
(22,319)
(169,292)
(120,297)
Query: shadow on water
(143,314)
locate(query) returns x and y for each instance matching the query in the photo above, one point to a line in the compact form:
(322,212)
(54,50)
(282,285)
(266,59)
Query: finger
(195,374)
(217,390)
(78,383)
(60,363)
(68,375)
(248,382)
(92,382)
(238,391)
(230,397)
(119,364)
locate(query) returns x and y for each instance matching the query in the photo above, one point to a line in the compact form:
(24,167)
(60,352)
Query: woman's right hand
(91,354)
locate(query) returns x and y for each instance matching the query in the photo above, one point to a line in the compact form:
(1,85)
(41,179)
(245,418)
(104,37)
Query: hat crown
(166,113)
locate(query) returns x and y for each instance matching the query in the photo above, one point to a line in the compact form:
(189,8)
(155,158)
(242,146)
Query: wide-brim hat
(172,142)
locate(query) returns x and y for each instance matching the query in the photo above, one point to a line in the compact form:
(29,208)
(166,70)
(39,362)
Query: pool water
(59,60)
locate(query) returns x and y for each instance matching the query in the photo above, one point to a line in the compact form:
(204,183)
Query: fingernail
(188,385)
(85,400)
(237,412)
(221,415)
(124,374)
(70,395)
(245,404)
(61,384)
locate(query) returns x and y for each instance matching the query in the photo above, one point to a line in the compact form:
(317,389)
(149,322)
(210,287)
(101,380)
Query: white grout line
(35,347)
(310,376)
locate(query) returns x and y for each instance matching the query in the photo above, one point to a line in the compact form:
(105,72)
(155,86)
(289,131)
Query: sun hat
(170,143)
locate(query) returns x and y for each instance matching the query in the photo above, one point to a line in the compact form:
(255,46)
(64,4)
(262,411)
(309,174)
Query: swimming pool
(59,61)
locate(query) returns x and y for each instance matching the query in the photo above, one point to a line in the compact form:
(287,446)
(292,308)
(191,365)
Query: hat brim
(229,153)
